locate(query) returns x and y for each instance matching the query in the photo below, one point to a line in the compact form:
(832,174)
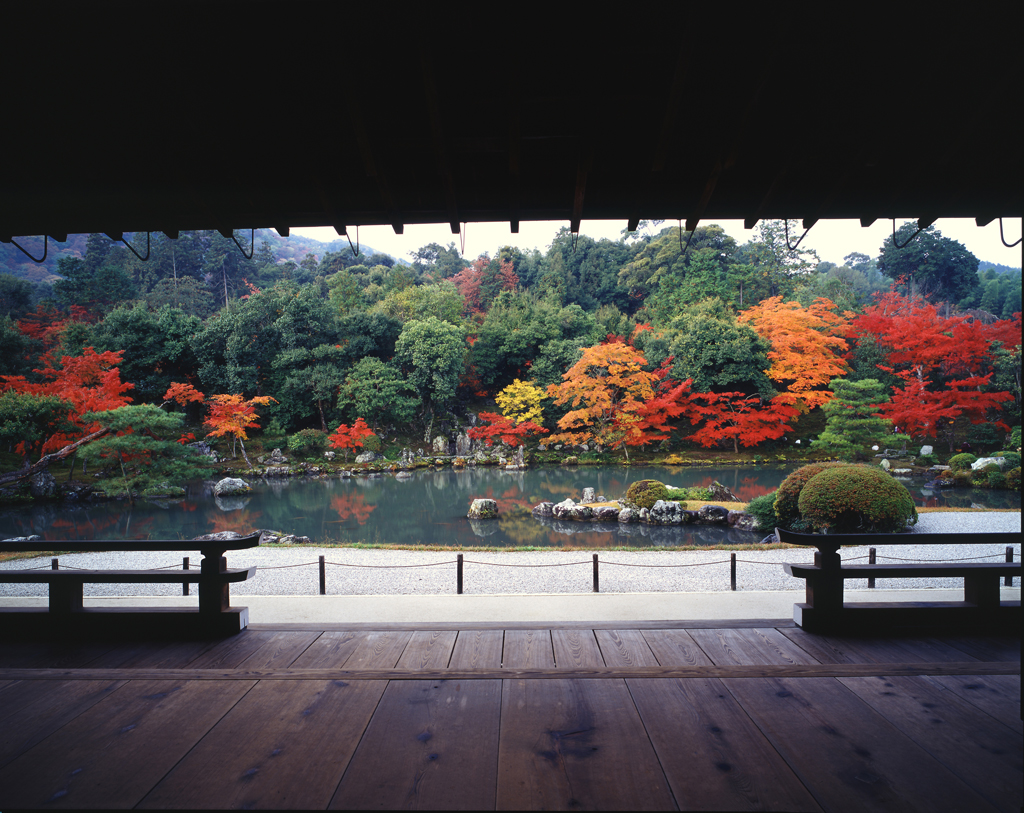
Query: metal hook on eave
(682,250)
(802,236)
(920,229)
(20,248)
(252,249)
(1008,245)
(462,240)
(120,237)
(355,248)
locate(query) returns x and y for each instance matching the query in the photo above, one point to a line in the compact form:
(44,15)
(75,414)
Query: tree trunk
(43,462)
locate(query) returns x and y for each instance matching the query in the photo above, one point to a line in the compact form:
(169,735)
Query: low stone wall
(664,512)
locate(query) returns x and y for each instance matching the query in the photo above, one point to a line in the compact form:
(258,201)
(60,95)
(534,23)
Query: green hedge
(645,493)
(856,499)
(962,461)
(787,510)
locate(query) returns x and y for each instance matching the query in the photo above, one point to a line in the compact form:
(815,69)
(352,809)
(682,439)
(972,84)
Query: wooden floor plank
(478,649)
(987,647)
(675,648)
(379,650)
(528,648)
(715,758)
(52,654)
(281,651)
(576,649)
(877,649)
(153,654)
(625,648)
(331,649)
(230,652)
(111,755)
(284,745)
(428,650)
(431,745)
(33,710)
(848,756)
(571,744)
(997,695)
(985,753)
(749,646)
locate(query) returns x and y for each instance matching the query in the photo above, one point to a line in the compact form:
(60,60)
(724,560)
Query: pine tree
(853,419)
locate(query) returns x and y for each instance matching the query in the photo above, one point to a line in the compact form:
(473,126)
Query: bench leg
(66,596)
(824,593)
(214,594)
(982,591)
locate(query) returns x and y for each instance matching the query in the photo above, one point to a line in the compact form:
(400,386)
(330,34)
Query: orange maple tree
(616,402)
(183,394)
(807,347)
(90,382)
(349,437)
(233,415)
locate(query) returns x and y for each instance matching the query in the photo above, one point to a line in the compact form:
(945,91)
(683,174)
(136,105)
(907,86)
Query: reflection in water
(428,508)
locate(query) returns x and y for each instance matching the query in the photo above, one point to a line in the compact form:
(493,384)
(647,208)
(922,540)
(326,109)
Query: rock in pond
(230,486)
(483,509)
(713,514)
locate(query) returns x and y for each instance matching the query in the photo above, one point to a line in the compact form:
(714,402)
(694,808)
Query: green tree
(853,419)
(431,353)
(777,270)
(30,419)
(145,443)
(377,392)
(719,354)
(929,265)
(15,296)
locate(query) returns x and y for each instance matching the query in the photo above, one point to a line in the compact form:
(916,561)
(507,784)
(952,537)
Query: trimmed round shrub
(786,509)
(307,442)
(856,499)
(962,461)
(371,443)
(645,493)
(763,510)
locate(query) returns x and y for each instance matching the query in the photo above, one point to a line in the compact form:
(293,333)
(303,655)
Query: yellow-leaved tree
(520,401)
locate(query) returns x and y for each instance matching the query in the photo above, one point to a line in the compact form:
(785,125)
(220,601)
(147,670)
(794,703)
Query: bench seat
(40,576)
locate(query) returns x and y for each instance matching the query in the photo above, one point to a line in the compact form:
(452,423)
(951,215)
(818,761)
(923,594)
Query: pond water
(429,508)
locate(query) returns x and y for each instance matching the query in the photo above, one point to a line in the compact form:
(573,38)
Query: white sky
(832,239)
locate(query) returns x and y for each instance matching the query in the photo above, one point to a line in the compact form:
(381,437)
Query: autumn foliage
(90,382)
(349,437)
(733,416)
(807,347)
(492,425)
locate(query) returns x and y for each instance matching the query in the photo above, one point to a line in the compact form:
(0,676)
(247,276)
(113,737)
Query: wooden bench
(825,611)
(66,615)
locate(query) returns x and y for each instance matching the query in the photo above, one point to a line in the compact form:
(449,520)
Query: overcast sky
(832,239)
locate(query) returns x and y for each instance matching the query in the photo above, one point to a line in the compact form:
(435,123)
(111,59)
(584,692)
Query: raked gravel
(294,571)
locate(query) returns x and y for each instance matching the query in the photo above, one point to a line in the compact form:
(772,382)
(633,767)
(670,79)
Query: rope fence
(459,562)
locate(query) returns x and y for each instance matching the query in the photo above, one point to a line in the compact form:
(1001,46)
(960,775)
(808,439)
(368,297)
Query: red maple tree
(349,437)
(494,425)
(738,417)
(90,382)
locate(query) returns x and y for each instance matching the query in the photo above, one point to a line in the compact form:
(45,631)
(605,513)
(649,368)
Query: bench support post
(825,588)
(214,593)
(66,597)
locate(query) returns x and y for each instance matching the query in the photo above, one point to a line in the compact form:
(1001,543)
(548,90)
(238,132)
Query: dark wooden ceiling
(165,117)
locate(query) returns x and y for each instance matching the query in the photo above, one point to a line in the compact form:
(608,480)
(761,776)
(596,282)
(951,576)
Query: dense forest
(659,337)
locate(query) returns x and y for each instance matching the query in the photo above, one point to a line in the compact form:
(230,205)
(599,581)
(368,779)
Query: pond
(429,508)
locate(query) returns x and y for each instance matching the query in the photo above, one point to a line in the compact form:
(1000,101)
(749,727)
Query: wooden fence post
(184,585)
(323,578)
(458,577)
(732,570)
(596,585)
(871,561)
(53,564)
(1007,580)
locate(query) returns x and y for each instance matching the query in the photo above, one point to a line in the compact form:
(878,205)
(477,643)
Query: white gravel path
(294,571)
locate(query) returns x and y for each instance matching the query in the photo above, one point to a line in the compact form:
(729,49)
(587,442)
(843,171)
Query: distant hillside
(14,262)
(998,267)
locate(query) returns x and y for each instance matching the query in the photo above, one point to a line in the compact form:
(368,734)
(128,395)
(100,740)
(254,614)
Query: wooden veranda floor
(717,716)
